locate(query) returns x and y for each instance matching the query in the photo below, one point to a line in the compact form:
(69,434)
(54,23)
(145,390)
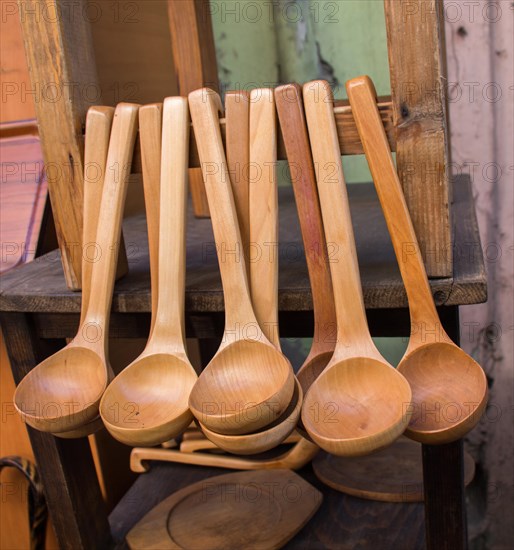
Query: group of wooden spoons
(346,398)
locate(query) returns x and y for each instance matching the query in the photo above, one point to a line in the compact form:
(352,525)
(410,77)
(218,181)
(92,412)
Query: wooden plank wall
(480,73)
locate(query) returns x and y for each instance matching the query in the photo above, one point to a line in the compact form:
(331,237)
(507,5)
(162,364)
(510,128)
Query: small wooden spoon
(147,403)
(449,388)
(63,392)
(248,383)
(296,140)
(359,403)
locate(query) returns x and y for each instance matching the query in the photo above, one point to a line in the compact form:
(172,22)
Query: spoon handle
(353,335)
(296,139)
(168,333)
(237,128)
(363,99)
(205,105)
(150,130)
(263,251)
(94,327)
(98,131)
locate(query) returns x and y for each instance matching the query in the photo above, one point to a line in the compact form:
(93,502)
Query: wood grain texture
(237,510)
(249,383)
(40,287)
(61,54)
(394,474)
(342,522)
(237,145)
(194,55)
(296,138)
(440,374)
(416,47)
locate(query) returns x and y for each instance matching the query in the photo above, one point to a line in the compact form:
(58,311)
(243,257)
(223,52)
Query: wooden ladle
(63,392)
(248,383)
(98,133)
(360,402)
(449,388)
(263,230)
(147,403)
(296,139)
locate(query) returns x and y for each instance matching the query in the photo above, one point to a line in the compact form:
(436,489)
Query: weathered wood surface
(194,54)
(40,287)
(342,522)
(415,36)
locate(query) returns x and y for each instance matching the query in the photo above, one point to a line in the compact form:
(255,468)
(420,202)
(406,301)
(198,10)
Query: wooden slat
(194,54)
(62,67)
(415,35)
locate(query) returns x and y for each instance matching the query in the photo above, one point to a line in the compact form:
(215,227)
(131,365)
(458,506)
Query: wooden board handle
(119,159)
(150,133)
(263,250)
(352,328)
(205,106)
(296,140)
(169,331)
(363,100)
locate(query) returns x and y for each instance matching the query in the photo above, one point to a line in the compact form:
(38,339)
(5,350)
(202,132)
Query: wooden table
(37,312)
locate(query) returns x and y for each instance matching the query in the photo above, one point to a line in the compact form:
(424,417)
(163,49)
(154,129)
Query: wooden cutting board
(258,509)
(394,474)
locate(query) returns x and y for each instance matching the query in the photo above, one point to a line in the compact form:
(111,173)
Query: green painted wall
(263,43)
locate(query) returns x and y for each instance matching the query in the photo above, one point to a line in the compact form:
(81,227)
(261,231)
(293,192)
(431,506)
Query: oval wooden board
(394,474)
(258,509)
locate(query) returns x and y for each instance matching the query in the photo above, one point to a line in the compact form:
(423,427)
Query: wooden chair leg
(66,466)
(443,474)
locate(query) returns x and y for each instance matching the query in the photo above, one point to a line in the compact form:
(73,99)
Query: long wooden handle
(296,140)
(98,132)
(150,132)
(363,99)
(119,159)
(205,105)
(237,124)
(169,334)
(352,328)
(263,250)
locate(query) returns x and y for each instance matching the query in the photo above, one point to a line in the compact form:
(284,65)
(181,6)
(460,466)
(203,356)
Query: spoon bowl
(63,392)
(312,368)
(229,397)
(266,439)
(453,405)
(359,419)
(163,383)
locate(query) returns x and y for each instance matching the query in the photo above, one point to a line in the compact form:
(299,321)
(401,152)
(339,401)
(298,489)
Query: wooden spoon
(63,392)
(248,383)
(98,133)
(147,403)
(449,388)
(360,402)
(263,228)
(296,140)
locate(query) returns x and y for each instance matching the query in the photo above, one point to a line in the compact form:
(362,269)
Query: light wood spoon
(449,388)
(147,403)
(264,261)
(248,383)
(296,139)
(98,133)
(359,403)
(63,392)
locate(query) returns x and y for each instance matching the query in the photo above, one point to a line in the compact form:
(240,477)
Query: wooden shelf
(40,287)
